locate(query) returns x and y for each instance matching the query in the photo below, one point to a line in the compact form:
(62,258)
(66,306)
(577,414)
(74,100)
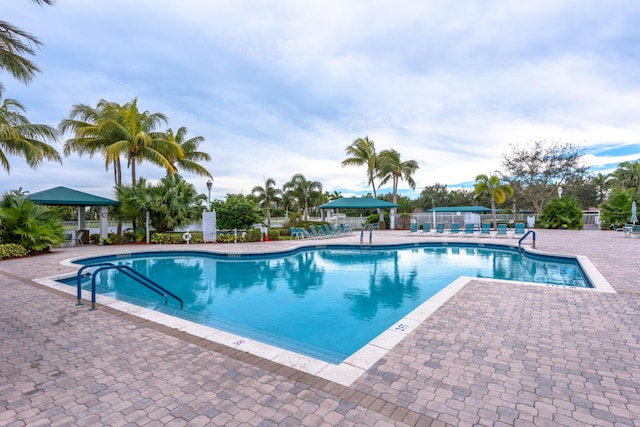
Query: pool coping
(347,372)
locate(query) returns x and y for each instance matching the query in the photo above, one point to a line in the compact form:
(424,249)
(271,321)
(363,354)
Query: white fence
(591,221)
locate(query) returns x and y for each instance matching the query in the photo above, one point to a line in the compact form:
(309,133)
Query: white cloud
(282,88)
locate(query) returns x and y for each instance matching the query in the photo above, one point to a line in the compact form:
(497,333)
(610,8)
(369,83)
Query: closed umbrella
(634,218)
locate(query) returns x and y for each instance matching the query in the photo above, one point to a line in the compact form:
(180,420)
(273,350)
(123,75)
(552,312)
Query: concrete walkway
(494,354)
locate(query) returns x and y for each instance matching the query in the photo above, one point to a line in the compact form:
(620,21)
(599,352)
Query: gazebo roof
(358,203)
(63,196)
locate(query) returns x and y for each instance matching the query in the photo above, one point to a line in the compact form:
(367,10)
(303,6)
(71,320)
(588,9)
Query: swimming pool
(327,302)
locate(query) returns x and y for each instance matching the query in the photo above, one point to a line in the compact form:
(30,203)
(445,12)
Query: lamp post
(209,185)
(560,192)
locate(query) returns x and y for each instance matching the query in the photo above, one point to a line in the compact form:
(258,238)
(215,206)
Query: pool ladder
(366,227)
(128,271)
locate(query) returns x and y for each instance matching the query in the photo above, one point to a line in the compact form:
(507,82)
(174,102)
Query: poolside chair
(79,236)
(426,229)
(502,230)
(469,230)
(519,230)
(305,233)
(345,229)
(329,231)
(336,231)
(485,230)
(413,229)
(439,229)
(295,233)
(455,229)
(315,233)
(321,232)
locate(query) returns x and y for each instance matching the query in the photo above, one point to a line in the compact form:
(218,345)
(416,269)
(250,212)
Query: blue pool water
(324,303)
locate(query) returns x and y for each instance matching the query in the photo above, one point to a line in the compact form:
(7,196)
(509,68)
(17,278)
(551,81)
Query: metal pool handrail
(128,271)
(533,233)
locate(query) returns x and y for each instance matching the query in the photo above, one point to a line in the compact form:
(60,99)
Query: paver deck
(494,354)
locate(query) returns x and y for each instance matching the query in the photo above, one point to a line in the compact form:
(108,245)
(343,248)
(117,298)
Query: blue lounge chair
(413,229)
(455,229)
(321,231)
(329,231)
(502,230)
(336,230)
(304,232)
(519,230)
(469,230)
(345,229)
(315,233)
(439,229)
(485,230)
(295,233)
(426,229)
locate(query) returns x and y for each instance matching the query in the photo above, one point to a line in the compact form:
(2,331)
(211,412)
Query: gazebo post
(104,222)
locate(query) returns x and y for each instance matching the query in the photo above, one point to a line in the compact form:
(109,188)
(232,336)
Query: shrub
(562,213)
(175,238)
(274,234)
(12,250)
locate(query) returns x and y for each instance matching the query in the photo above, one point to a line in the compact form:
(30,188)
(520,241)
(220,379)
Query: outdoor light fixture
(209,185)
(560,192)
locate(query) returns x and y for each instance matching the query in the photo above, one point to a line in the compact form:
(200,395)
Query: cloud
(282,88)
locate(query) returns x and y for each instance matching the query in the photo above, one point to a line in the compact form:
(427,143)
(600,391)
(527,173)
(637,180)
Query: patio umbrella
(634,218)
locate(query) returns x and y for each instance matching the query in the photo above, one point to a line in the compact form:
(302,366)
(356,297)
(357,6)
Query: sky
(282,87)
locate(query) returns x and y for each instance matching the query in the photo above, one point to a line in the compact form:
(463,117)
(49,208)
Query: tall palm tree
(14,44)
(267,195)
(139,140)
(496,189)
(390,167)
(191,156)
(89,136)
(362,152)
(303,190)
(115,131)
(20,137)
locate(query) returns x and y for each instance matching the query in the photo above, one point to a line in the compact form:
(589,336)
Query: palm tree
(18,136)
(115,131)
(89,136)
(267,195)
(496,189)
(390,167)
(601,182)
(303,191)
(627,175)
(14,44)
(191,155)
(362,152)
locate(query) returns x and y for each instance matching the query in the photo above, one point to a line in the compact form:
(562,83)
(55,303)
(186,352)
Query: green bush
(175,238)
(12,250)
(562,213)
(274,234)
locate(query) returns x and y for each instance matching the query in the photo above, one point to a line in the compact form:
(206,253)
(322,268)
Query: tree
(627,175)
(14,45)
(91,136)
(603,184)
(20,137)
(267,196)
(114,131)
(434,195)
(362,152)
(617,210)
(238,211)
(191,157)
(172,203)
(537,171)
(496,189)
(304,191)
(391,168)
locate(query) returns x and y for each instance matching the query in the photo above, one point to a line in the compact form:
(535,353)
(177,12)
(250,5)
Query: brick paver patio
(494,354)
